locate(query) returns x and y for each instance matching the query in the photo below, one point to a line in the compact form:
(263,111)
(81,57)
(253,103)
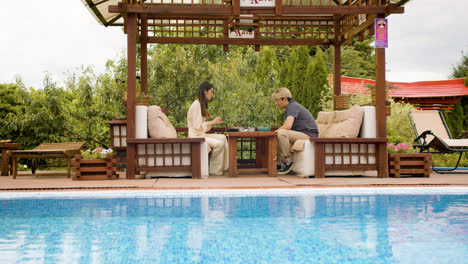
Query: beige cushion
(159,125)
(339,124)
(324,121)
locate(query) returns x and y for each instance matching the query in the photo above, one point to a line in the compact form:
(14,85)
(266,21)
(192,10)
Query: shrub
(449,160)
(400,148)
(97,153)
(399,129)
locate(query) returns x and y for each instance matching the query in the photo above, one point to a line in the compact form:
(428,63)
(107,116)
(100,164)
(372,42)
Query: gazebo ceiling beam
(96,12)
(344,10)
(230,18)
(348,36)
(232,41)
(168,10)
(228,10)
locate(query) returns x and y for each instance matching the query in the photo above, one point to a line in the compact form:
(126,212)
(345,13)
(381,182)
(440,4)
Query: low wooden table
(4,147)
(47,150)
(265,155)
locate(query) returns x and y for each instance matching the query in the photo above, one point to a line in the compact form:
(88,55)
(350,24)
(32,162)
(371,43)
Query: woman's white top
(196,122)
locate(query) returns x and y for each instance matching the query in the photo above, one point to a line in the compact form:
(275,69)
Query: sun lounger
(48,150)
(433,136)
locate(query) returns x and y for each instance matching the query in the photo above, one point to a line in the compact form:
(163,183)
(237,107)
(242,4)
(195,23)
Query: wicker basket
(144,100)
(341,102)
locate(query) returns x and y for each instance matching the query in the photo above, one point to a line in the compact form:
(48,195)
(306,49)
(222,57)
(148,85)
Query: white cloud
(59,36)
(427,40)
(54,36)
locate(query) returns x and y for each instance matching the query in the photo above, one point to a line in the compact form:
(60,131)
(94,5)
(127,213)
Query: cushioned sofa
(347,144)
(163,154)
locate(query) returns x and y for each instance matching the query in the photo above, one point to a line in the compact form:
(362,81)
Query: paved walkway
(226,182)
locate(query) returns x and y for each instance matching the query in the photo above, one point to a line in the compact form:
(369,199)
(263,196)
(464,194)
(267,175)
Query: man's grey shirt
(303,120)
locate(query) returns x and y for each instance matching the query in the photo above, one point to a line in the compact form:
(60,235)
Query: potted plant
(403,160)
(97,164)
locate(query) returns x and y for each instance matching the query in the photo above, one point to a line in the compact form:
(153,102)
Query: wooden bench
(359,155)
(47,150)
(164,155)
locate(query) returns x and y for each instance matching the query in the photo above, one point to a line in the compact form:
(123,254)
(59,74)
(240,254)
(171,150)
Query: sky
(60,36)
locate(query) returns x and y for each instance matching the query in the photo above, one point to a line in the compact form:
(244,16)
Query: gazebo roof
(423,89)
(254,22)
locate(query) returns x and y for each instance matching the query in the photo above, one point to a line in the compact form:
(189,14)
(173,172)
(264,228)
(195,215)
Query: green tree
(174,75)
(357,60)
(316,82)
(238,98)
(299,74)
(455,120)
(461,69)
(267,66)
(13,98)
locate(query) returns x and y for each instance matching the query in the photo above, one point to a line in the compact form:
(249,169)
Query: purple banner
(381,33)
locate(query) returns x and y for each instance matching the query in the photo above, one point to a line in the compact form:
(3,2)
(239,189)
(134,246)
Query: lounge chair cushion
(159,125)
(339,124)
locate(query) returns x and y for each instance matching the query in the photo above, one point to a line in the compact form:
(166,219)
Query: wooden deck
(247,181)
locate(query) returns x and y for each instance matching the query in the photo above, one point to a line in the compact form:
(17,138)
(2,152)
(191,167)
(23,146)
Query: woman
(197,126)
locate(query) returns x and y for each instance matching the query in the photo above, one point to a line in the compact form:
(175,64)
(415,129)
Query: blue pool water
(234,227)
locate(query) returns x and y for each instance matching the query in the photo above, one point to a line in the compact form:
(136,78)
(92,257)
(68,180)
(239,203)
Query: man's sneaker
(285,168)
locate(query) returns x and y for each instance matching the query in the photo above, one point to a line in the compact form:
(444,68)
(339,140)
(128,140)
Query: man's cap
(281,93)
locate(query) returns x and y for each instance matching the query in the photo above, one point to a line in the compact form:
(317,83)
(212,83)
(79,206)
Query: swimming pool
(359,225)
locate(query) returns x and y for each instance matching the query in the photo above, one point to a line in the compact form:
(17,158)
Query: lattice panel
(246,151)
(334,3)
(350,154)
(295,3)
(176,2)
(188,28)
(171,155)
(296,29)
(118,136)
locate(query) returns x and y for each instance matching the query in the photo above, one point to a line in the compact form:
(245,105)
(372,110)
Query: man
(298,124)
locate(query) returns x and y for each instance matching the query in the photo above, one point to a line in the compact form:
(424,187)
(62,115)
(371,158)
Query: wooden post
(144,54)
(380,108)
(195,160)
(336,57)
(319,160)
(236,7)
(131,91)
(278,7)
(272,155)
(232,156)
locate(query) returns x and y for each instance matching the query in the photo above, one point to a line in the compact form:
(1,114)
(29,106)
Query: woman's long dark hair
(205,86)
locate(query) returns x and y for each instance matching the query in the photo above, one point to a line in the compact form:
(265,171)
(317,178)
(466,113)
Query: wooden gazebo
(245,22)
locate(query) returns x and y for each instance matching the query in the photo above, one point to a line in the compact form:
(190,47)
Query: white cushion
(141,124)
(369,123)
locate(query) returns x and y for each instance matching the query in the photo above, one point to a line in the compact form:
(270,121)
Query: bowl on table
(263,129)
